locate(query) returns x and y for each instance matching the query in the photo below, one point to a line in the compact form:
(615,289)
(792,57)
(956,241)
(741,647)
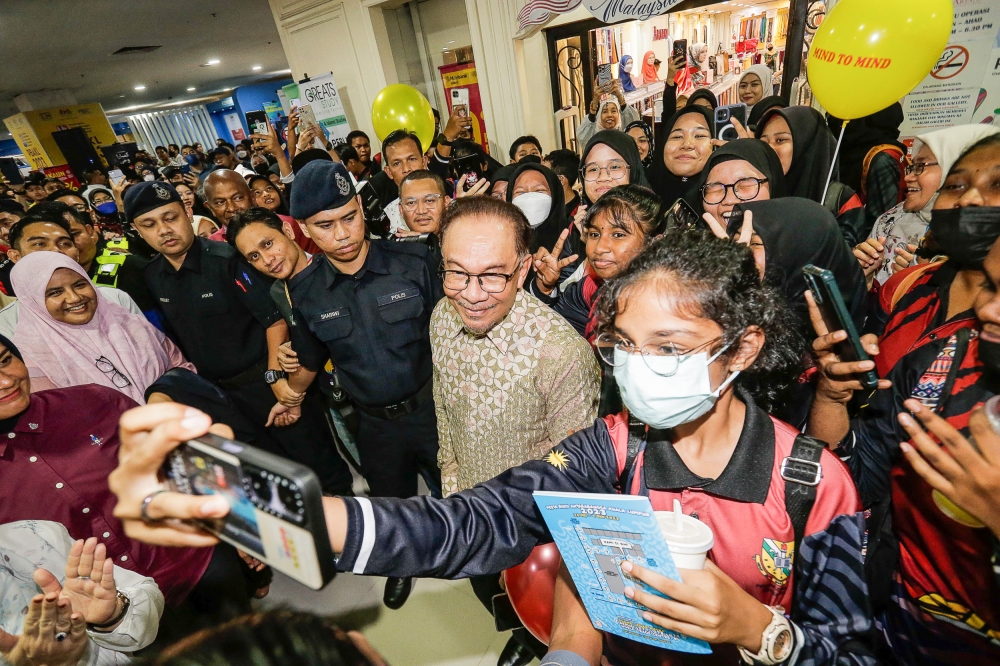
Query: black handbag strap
(636,436)
(802,473)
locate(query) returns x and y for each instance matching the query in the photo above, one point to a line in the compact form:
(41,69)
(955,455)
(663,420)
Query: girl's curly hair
(716,279)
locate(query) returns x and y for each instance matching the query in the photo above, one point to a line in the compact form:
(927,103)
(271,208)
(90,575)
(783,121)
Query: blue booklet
(595,534)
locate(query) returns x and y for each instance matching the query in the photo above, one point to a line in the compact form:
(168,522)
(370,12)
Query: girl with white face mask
(536,190)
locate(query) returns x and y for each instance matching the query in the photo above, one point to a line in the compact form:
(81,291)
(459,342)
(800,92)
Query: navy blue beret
(319,186)
(148,195)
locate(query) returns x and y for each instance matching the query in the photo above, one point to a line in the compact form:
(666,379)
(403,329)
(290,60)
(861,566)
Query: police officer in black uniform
(221,313)
(366,305)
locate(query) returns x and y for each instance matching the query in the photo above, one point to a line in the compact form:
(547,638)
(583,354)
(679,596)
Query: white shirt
(27,545)
(10,314)
(395,215)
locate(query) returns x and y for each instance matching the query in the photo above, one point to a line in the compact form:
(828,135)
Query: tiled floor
(442,623)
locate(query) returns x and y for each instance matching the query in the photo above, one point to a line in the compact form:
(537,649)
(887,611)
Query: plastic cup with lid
(688,539)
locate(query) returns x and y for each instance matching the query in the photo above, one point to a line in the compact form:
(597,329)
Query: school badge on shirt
(775,560)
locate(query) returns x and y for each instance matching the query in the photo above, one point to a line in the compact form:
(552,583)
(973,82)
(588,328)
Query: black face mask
(989,355)
(966,234)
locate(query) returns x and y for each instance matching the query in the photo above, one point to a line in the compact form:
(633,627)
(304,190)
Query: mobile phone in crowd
(469,166)
(276,509)
(185,169)
(724,115)
(682,216)
(460,102)
(603,75)
(376,220)
(257,122)
(831,304)
(680,48)
(116,177)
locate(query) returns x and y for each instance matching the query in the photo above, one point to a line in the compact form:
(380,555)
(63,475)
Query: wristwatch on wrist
(272,376)
(105,627)
(443,140)
(776,642)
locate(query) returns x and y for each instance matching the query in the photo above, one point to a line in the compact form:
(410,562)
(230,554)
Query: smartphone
(376,220)
(257,122)
(682,215)
(831,304)
(185,169)
(116,176)
(469,166)
(603,75)
(460,102)
(308,117)
(276,509)
(680,48)
(724,115)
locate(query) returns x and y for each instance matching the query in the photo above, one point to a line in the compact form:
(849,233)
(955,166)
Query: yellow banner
(35,129)
(26,140)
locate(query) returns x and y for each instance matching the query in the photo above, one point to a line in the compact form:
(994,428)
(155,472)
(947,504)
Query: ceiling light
(256,68)
(191,89)
(452,41)
(212,62)
(140,87)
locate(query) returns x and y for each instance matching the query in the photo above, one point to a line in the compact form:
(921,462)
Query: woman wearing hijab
(643,136)
(536,190)
(899,231)
(704,97)
(755,85)
(789,234)
(500,181)
(611,114)
(649,68)
(625,66)
(762,107)
(683,147)
(267,195)
(872,160)
(70,334)
(741,171)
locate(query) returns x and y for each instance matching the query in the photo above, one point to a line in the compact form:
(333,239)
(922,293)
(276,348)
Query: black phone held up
(680,48)
(276,505)
(831,305)
(257,122)
(469,166)
(724,115)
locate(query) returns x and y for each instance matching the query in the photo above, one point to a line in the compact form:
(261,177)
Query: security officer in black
(366,305)
(221,313)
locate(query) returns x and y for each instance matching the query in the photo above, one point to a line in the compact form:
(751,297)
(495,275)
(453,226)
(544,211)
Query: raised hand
(54,635)
(89,584)
(548,266)
(477,189)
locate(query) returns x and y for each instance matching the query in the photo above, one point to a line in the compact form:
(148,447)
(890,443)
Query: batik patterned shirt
(510,395)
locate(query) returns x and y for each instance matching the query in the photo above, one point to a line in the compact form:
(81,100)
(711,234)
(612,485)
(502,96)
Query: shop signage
(537,12)
(660,34)
(321,94)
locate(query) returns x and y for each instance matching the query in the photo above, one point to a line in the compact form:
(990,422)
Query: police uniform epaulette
(306,272)
(414,249)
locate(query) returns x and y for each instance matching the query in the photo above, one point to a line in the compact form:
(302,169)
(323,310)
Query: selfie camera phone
(724,115)
(682,216)
(116,176)
(603,75)
(831,304)
(185,169)
(276,510)
(257,122)
(460,102)
(680,48)
(469,166)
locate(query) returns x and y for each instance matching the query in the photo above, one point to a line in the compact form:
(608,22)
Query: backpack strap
(636,439)
(802,473)
(907,282)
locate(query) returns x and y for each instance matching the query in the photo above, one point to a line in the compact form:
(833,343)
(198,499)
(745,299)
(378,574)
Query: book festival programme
(475,332)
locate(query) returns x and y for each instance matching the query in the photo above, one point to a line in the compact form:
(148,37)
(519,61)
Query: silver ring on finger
(143,512)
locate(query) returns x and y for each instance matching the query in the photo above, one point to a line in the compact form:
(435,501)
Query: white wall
(443,21)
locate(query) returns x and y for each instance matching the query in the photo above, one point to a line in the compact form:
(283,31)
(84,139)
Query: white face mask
(241,154)
(149,176)
(666,401)
(627,68)
(536,206)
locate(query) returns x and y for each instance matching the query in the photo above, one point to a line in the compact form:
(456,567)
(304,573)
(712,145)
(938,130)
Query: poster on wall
(964,85)
(461,78)
(321,94)
(234,126)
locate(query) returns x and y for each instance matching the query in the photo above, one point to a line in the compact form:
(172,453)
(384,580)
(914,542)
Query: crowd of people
(632,317)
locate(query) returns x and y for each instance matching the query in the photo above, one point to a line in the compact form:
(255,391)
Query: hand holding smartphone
(257,122)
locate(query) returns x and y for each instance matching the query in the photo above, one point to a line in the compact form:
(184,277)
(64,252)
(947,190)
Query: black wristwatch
(272,376)
(443,140)
(105,627)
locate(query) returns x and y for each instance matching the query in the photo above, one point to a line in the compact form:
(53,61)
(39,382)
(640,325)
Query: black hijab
(502,175)
(282,208)
(668,186)
(754,122)
(757,153)
(797,232)
(624,145)
(813,145)
(861,136)
(547,233)
(704,93)
(649,137)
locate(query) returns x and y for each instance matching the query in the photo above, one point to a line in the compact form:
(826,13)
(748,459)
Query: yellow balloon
(400,106)
(867,55)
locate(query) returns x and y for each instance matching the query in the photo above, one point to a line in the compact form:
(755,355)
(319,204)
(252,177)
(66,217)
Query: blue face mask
(107,208)
(191,159)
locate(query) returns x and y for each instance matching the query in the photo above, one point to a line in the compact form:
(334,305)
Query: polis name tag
(398,296)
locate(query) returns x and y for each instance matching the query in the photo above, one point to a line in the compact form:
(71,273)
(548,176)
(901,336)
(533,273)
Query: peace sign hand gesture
(548,266)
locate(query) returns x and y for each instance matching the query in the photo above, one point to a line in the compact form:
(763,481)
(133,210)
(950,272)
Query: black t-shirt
(385,188)
(218,307)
